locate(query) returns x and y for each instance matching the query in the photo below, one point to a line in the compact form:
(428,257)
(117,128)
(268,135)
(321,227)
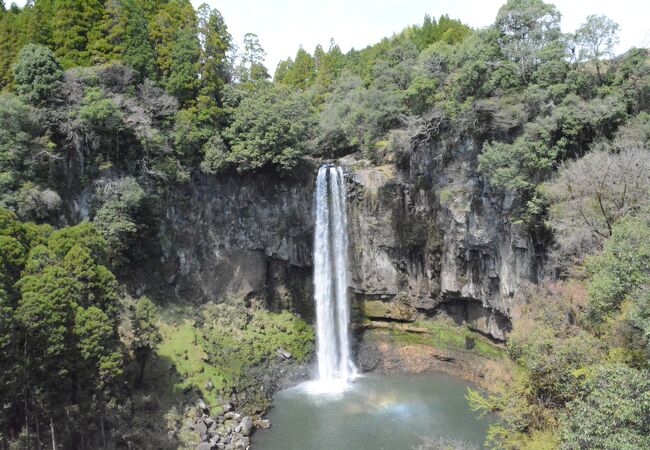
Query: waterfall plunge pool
(391,412)
(337,410)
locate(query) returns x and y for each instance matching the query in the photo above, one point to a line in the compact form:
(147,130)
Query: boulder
(204,446)
(396,310)
(202,406)
(284,353)
(231,415)
(262,423)
(246,426)
(202,429)
(242,444)
(228,425)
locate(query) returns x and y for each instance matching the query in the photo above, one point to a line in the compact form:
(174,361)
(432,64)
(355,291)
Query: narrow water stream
(387,412)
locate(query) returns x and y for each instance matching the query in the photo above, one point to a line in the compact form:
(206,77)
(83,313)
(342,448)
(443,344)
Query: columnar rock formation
(426,235)
(432,236)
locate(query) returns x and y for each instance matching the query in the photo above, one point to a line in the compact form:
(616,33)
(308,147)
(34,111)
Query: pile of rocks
(226,431)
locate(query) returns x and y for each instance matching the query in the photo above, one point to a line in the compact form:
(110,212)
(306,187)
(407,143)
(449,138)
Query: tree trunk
(38,432)
(53,437)
(26,411)
(143,364)
(101,426)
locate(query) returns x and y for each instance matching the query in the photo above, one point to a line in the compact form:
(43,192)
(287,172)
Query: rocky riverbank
(385,348)
(229,425)
(226,431)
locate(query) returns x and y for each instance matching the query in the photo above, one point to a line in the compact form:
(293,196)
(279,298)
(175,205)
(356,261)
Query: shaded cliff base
(462,311)
(214,375)
(433,345)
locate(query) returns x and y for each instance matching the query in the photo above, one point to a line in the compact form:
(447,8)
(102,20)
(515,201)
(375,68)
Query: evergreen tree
(216,42)
(146,336)
(181,80)
(108,34)
(8,45)
(282,69)
(253,69)
(164,30)
(37,74)
(42,18)
(151,7)
(302,72)
(137,51)
(329,65)
(74,21)
(68,310)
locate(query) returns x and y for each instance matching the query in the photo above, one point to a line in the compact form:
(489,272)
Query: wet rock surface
(378,354)
(228,431)
(230,424)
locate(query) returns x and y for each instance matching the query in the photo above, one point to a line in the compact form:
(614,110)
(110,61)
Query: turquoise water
(378,412)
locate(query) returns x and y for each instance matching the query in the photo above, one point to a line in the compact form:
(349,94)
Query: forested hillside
(119,102)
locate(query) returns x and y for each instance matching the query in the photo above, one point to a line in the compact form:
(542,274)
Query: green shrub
(269,128)
(623,267)
(612,413)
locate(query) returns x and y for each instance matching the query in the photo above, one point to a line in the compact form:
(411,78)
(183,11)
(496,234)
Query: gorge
(381,242)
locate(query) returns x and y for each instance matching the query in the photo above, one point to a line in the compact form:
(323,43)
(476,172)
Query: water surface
(378,412)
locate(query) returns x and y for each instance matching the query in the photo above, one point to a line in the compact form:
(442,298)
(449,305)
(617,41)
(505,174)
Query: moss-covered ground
(212,348)
(442,334)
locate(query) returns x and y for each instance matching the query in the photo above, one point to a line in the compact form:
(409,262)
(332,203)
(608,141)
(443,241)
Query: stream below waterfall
(377,412)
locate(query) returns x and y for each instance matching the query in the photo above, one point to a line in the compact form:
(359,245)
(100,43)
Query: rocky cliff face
(427,236)
(246,236)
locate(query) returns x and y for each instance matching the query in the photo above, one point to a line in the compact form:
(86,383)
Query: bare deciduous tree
(590,194)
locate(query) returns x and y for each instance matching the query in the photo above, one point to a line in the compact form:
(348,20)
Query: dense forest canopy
(124,98)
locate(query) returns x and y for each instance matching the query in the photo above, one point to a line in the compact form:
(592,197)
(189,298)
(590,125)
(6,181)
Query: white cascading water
(335,367)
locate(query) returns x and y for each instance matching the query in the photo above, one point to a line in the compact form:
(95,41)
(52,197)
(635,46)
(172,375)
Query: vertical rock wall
(430,236)
(426,235)
(246,236)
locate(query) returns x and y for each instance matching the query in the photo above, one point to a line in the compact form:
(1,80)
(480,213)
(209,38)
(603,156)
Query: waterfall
(335,365)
